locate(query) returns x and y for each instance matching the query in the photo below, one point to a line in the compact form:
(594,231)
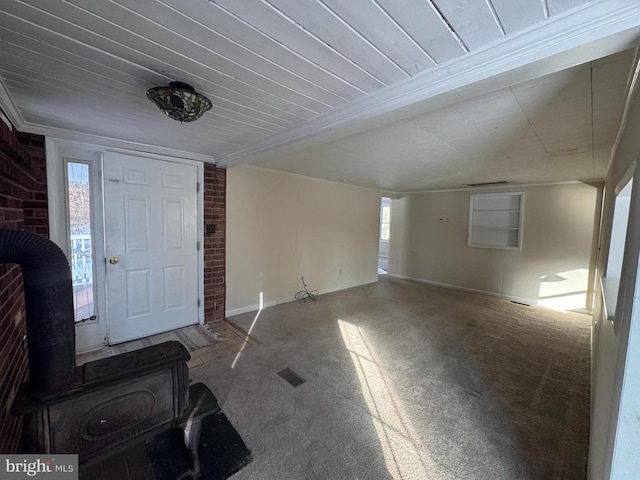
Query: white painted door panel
(151,239)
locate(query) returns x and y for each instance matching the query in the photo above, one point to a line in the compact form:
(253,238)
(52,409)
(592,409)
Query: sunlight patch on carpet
(403,454)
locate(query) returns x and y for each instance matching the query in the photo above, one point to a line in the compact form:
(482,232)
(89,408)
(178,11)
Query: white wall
(615,424)
(282,226)
(558,236)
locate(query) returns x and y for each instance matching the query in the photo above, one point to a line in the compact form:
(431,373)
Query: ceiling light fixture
(179,101)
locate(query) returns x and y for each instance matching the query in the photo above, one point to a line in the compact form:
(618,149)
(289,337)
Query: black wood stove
(105,405)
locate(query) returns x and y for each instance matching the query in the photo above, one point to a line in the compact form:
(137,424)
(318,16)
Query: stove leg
(203,404)
(191,433)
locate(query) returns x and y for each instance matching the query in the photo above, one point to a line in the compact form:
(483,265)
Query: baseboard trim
(526,301)
(253,308)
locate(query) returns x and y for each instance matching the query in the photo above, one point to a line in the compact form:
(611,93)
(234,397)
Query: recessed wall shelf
(495,220)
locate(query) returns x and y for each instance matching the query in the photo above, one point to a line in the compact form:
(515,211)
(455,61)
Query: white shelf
(496,228)
(495,220)
(495,211)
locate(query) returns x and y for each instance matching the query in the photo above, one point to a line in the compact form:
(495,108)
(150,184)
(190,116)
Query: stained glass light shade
(179,101)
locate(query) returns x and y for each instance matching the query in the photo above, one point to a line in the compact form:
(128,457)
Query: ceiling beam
(598,29)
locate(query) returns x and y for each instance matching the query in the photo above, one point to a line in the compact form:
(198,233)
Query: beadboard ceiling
(400,95)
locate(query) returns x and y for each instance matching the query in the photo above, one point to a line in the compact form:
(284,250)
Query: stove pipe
(48,294)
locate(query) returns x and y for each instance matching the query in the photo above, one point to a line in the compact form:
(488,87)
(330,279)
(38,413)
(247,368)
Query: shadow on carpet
(222,452)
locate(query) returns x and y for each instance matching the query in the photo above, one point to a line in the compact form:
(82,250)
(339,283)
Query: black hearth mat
(222,452)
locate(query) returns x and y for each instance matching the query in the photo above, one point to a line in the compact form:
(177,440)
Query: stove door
(99,421)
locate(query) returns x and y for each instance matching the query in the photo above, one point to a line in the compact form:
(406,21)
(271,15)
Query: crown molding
(397,194)
(598,29)
(509,186)
(382,191)
(9,108)
(91,139)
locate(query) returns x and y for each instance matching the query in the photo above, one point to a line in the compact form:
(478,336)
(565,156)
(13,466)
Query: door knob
(113,260)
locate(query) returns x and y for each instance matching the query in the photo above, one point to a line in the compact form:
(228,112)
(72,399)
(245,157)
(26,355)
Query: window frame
(613,284)
(95,243)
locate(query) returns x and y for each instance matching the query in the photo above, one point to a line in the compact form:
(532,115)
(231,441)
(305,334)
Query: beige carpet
(410,381)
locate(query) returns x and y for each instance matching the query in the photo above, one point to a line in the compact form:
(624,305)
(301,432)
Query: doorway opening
(107,210)
(385,236)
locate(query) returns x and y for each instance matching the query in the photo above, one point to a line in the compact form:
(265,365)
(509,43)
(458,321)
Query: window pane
(386,214)
(81,241)
(621,210)
(384,231)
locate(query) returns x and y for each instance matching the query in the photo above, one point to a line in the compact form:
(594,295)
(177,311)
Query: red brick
(23,205)
(214,246)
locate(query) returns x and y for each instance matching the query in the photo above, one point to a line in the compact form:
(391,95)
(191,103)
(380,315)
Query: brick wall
(214,243)
(23,206)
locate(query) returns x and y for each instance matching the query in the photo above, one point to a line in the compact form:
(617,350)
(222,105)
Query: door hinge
(198,303)
(198,246)
(197,186)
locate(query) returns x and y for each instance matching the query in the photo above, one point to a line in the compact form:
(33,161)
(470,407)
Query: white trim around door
(93,334)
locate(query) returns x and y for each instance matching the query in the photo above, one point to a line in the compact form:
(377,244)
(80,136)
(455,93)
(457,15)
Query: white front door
(151,234)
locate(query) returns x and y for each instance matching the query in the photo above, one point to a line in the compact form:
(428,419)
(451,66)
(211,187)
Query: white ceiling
(544,130)
(401,95)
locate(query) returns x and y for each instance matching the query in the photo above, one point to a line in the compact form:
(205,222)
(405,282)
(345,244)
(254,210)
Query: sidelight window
(81,239)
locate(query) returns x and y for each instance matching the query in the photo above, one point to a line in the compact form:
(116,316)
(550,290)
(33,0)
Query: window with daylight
(619,230)
(385,219)
(495,220)
(611,291)
(80,239)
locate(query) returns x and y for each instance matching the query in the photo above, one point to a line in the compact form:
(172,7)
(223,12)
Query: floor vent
(291,377)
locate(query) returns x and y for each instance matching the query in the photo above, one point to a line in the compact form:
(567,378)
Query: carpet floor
(409,381)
